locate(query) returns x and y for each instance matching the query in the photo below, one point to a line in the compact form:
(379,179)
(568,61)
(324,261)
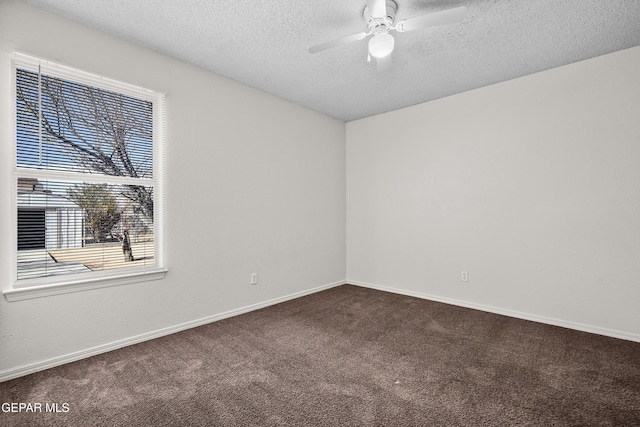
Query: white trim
(32,288)
(159,170)
(64,176)
(32,63)
(13,248)
(29,292)
(505,312)
(83,354)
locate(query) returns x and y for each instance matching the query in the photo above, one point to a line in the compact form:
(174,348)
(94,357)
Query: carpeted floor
(348,356)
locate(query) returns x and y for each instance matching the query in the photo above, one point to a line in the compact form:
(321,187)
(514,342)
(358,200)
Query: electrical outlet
(464,276)
(254,278)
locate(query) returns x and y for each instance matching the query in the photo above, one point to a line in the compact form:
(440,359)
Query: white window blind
(88,176)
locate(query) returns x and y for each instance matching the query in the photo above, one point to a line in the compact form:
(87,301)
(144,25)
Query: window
(88,179)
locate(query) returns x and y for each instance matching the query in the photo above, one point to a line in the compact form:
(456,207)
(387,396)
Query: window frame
(52,285)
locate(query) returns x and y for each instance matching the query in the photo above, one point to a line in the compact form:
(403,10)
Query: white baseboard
(525,316)
(83,354)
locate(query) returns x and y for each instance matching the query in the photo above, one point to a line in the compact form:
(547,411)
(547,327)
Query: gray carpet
(348,356)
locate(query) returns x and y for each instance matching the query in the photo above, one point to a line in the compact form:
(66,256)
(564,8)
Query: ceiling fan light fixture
(381,45)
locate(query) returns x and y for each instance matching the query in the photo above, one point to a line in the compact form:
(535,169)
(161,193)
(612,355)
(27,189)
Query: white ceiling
(263,43)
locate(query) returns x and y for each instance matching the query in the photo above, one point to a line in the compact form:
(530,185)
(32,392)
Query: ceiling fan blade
(377,8)
(337,42)
(445,17)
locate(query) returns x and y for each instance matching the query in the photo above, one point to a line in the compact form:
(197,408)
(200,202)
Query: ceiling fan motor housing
(383,24)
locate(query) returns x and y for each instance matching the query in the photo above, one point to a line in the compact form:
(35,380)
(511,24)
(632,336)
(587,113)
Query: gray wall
(532,186)
(254,184)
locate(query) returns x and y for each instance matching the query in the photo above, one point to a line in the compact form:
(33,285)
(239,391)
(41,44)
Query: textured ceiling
(263,43)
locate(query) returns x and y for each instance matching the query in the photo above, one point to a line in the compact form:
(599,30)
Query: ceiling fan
(379,15)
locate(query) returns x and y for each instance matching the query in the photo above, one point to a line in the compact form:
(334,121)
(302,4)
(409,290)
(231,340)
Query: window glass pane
(82,128)
(85,188)
(67,227)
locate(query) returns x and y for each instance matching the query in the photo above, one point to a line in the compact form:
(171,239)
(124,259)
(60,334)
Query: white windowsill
(17,294)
